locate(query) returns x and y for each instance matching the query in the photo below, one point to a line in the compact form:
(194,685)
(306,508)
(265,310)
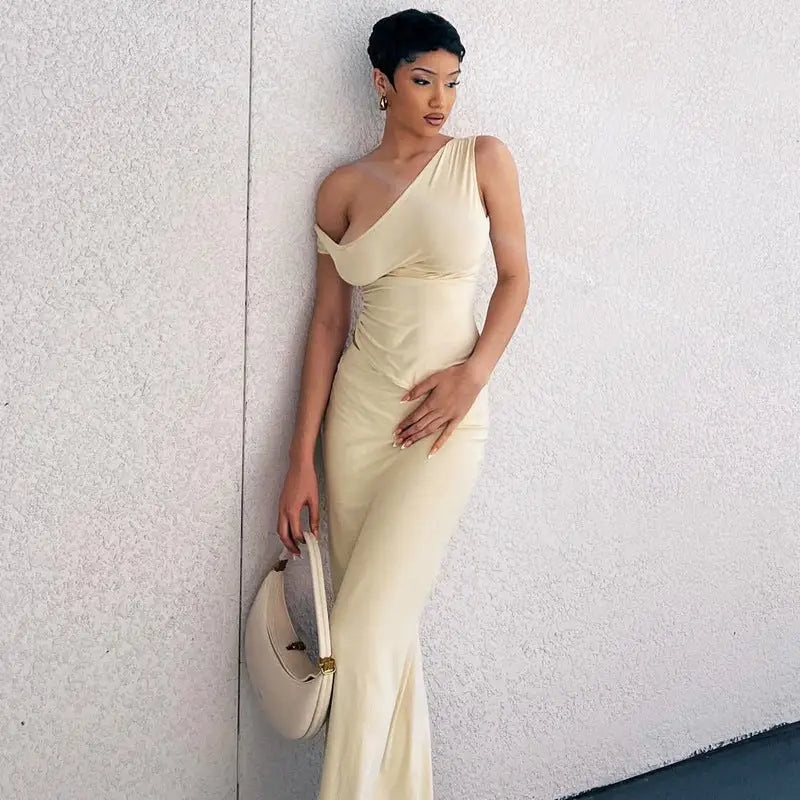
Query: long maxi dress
(392,512)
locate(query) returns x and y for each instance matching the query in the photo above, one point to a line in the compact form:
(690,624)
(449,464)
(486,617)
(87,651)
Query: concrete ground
(764,767)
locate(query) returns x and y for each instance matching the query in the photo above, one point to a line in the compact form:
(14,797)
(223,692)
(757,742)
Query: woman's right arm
(327,332)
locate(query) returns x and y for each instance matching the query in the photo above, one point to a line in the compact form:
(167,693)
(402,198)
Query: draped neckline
(414,181)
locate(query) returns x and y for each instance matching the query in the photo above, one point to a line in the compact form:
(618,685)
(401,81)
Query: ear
(379,80)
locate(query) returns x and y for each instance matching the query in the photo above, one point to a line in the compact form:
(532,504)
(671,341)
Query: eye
(423,82)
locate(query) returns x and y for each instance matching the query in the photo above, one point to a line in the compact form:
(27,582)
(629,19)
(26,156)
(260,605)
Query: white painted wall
(624,587)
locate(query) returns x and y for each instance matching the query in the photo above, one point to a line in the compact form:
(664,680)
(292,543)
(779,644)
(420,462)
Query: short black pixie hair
(406,34)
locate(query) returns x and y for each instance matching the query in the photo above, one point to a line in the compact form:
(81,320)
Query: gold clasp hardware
(327,664)
(298,645)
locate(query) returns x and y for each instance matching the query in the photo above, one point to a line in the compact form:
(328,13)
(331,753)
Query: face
(425,87)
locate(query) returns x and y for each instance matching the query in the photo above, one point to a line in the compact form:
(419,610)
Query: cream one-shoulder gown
(391,512)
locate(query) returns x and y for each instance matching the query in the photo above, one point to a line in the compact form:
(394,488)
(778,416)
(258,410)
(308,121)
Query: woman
(408,223)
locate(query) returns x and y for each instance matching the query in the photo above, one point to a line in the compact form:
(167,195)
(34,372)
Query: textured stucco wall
(624,586)
(122,251)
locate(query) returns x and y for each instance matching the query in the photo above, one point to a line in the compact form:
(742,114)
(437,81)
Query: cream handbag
(294,692)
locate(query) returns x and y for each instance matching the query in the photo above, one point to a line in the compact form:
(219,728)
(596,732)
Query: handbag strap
(318,585)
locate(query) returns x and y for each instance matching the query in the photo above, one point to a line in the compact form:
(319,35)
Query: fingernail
(404,445)
(431,454)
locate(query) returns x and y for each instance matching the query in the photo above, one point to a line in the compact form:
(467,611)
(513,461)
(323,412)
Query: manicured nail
(432,453)
(404,445)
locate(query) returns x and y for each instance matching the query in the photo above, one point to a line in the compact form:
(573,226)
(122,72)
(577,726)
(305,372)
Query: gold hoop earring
(384,103)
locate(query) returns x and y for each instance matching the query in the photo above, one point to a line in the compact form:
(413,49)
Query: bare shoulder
(332,201)
(334,185)
(493,152)
(337,190)
(495,166)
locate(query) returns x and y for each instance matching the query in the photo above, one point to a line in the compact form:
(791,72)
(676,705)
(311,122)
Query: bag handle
(320,598)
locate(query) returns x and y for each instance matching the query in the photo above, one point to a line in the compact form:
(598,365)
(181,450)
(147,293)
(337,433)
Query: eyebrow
(433,72)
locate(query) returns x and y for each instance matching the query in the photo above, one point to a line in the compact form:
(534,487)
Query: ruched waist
(408,329)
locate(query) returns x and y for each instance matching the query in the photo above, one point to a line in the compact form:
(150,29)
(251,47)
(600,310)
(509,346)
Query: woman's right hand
(300,488)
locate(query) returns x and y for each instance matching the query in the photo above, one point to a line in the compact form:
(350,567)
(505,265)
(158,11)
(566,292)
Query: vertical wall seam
(244,397)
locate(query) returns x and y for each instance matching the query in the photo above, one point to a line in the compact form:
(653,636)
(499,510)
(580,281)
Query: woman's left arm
(497,178)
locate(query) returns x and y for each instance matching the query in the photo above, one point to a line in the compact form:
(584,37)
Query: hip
(364,395)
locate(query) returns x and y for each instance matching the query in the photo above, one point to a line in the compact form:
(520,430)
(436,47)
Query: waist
(407,330)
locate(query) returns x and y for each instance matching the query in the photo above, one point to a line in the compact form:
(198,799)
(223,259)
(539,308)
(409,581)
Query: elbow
(335,328)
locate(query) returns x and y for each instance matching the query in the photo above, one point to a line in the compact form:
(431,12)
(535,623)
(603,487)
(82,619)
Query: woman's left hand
(452,392)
